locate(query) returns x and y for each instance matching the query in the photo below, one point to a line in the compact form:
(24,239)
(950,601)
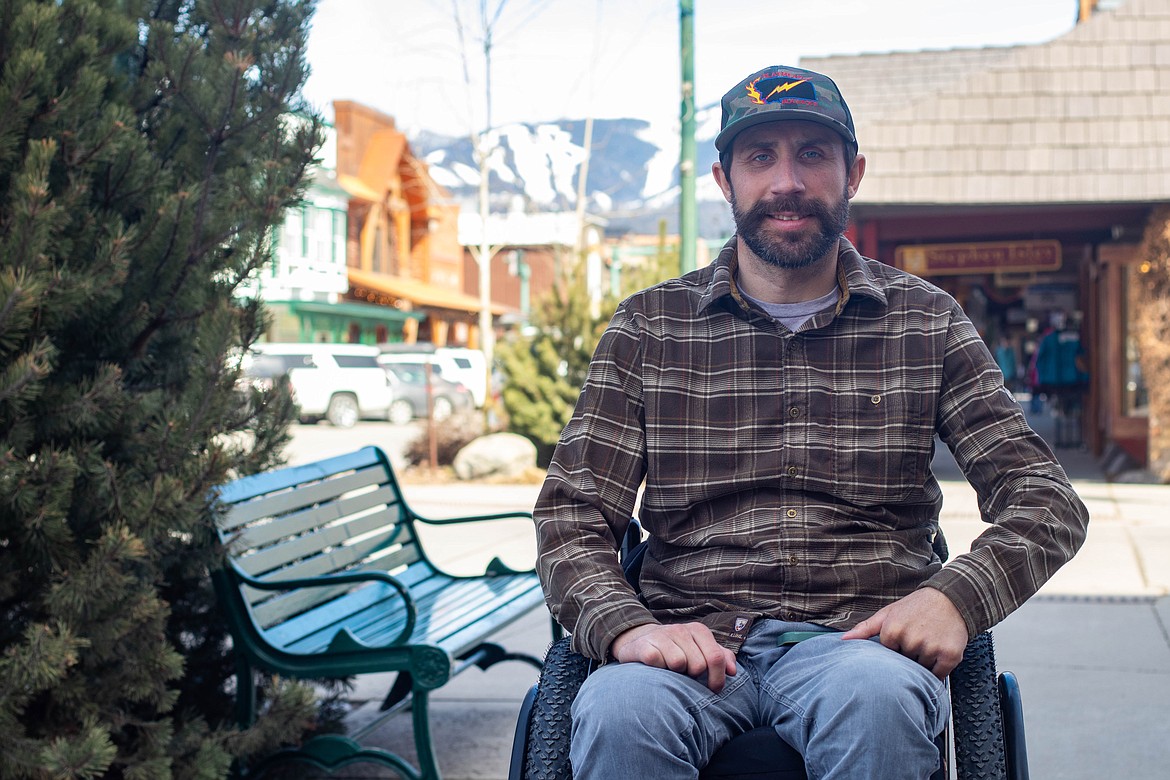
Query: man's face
(789,191)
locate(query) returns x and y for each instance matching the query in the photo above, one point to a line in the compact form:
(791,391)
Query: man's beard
(791,251)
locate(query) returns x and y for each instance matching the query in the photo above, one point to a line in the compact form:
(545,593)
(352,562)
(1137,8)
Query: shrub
(451,435)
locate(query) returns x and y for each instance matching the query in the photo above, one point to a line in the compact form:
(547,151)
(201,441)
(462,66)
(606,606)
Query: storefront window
(1135,399)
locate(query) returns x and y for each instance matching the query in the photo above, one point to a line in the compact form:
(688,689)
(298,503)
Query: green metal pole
(525,272)
(686,167)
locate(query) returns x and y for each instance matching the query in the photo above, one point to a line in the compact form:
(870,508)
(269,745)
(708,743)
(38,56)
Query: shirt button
(792,471)
(793,560)
(794,412)
(791,513)
(875,400)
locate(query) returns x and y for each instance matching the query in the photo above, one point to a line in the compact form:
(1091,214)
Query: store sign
(1051,297)
(979,258)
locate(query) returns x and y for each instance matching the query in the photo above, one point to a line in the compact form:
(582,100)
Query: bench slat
(290,500)
(447,612)
(338,611)
(336,560)
(255,485)
(277,558)
(506,613)
(272,606)
(424,583)
(263,533)
(425,586)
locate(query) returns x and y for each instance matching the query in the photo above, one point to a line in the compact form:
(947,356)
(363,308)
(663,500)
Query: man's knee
(858,709)
(631,720)
(631,698)
(883,684)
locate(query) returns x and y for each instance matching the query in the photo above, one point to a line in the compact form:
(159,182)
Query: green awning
(361,311)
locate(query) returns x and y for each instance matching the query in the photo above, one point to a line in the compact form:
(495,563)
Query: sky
(556,59)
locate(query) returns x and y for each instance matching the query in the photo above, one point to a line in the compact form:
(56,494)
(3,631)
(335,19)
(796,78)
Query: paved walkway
(1091,650)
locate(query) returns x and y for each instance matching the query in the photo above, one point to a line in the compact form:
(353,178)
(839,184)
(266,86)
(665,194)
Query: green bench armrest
(331,580)
(472,518)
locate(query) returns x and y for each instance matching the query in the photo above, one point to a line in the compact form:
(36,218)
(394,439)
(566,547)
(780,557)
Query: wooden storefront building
(1020,179)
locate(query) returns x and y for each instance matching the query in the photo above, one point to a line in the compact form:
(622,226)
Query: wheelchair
(984,740)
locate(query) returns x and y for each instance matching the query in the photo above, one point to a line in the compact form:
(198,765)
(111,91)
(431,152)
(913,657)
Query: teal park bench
(326,577)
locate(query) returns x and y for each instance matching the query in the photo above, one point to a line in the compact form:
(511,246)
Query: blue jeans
(854,709)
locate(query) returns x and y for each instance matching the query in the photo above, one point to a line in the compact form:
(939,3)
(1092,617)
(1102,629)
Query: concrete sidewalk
(1091,650)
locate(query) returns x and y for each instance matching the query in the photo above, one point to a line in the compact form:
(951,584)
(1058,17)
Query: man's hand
(686,648)
(924,626)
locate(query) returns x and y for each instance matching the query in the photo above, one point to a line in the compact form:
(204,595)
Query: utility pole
(487,335)
(687,234)
(579,249)
(488,20)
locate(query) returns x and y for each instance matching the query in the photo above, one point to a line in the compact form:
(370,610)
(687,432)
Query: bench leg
(402,687)
(420,717)
(245,692)
(423,744)
(484,655)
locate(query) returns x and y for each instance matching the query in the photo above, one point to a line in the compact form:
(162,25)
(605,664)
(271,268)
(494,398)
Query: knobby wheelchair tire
(980,748)
(549,725)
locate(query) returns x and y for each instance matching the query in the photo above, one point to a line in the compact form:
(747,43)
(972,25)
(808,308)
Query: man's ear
(855,175)
(723,181)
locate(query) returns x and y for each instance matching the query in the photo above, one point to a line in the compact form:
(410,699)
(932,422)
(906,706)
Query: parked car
(340,382)
(455,364)
(410,393)
(468,366)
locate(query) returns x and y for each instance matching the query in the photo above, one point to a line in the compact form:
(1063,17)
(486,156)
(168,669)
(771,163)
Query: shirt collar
(854,275)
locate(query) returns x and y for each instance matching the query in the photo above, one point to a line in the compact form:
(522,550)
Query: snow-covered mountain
(633,170)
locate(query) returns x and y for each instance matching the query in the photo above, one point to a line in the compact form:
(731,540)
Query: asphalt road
(322,440)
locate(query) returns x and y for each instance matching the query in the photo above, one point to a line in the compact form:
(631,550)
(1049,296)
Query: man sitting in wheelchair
(780,407)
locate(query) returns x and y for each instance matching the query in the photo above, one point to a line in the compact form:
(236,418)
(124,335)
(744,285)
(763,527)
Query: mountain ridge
(632,179)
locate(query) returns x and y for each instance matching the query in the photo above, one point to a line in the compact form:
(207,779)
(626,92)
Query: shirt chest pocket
(882,443)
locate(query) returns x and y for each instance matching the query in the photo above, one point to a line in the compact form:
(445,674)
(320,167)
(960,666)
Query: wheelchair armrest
(520,738)
(1011,704)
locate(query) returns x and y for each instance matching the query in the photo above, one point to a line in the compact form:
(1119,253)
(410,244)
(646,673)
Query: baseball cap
(781,92)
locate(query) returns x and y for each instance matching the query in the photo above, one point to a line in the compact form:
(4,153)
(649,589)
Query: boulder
(495,455)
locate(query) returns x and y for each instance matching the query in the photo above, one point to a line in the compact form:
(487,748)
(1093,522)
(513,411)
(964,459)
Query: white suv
(340,382)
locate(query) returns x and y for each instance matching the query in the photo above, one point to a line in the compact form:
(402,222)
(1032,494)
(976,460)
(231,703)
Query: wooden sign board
(979,258)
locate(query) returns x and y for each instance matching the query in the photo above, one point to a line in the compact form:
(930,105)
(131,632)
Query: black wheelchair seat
(757,754)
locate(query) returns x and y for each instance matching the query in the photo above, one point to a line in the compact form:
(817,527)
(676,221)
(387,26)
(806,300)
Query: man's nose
(786,176)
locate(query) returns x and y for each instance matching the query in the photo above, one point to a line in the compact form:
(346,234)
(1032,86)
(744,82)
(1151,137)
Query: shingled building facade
(1020,179)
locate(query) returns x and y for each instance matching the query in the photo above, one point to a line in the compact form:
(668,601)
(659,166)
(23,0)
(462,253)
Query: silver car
(410,393)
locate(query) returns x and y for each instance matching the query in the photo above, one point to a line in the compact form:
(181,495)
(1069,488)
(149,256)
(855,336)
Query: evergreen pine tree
(547,370)
(145,152)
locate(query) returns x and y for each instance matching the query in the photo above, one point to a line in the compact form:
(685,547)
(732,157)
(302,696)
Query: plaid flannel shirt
(787,475)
